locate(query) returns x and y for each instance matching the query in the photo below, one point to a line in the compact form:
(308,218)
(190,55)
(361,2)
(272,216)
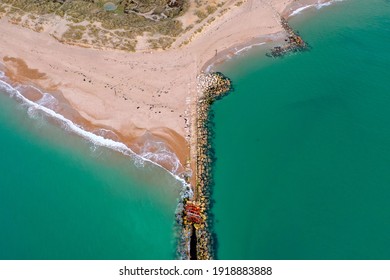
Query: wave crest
(152,152)
(317,5)
(157,151)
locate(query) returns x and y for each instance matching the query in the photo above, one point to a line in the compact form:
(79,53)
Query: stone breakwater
(294,42)
(195,214)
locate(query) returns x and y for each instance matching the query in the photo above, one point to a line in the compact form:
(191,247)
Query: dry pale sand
(132,93)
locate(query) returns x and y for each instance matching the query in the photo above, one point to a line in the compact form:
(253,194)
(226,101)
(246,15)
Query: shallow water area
(64,197)
(302,143)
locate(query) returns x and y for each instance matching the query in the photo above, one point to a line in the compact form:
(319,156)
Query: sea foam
(246,48)
(43,105)
(318,6)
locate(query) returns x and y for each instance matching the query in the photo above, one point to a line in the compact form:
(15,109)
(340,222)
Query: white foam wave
(69,125)
(297,11)
(33,113)
(318,6)
(209,67)
(106,133)
(48,101)
(229,56)
(248,47)
(158,152)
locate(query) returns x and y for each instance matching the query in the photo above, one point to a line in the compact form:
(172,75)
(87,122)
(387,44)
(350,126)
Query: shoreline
(147,144)
(235,50)
(74,128)
(273,39)
(141,96)
(159,86)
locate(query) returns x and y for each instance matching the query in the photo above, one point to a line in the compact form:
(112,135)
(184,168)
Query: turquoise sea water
(303,143)
(302,168)
(61,197)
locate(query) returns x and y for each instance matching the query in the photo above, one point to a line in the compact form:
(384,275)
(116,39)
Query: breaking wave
(318,6)
(157,151)
(246,48)
(102,137)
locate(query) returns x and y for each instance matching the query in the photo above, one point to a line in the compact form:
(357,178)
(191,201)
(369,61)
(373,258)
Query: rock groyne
(294,42)
(196,222)
(193,215)
(211,87)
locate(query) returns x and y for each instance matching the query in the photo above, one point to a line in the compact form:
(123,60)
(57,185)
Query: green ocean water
(61,197)
(303,143)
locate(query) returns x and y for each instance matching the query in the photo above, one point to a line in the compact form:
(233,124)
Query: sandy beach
(142,95)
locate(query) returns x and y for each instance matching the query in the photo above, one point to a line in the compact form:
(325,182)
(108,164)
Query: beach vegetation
(198,3)
(118,20)
(161,43)
(74,33)
(210,20)
(39,28)
(2,9)
(201,15)
(211,9)
(111,23)
(189,27)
